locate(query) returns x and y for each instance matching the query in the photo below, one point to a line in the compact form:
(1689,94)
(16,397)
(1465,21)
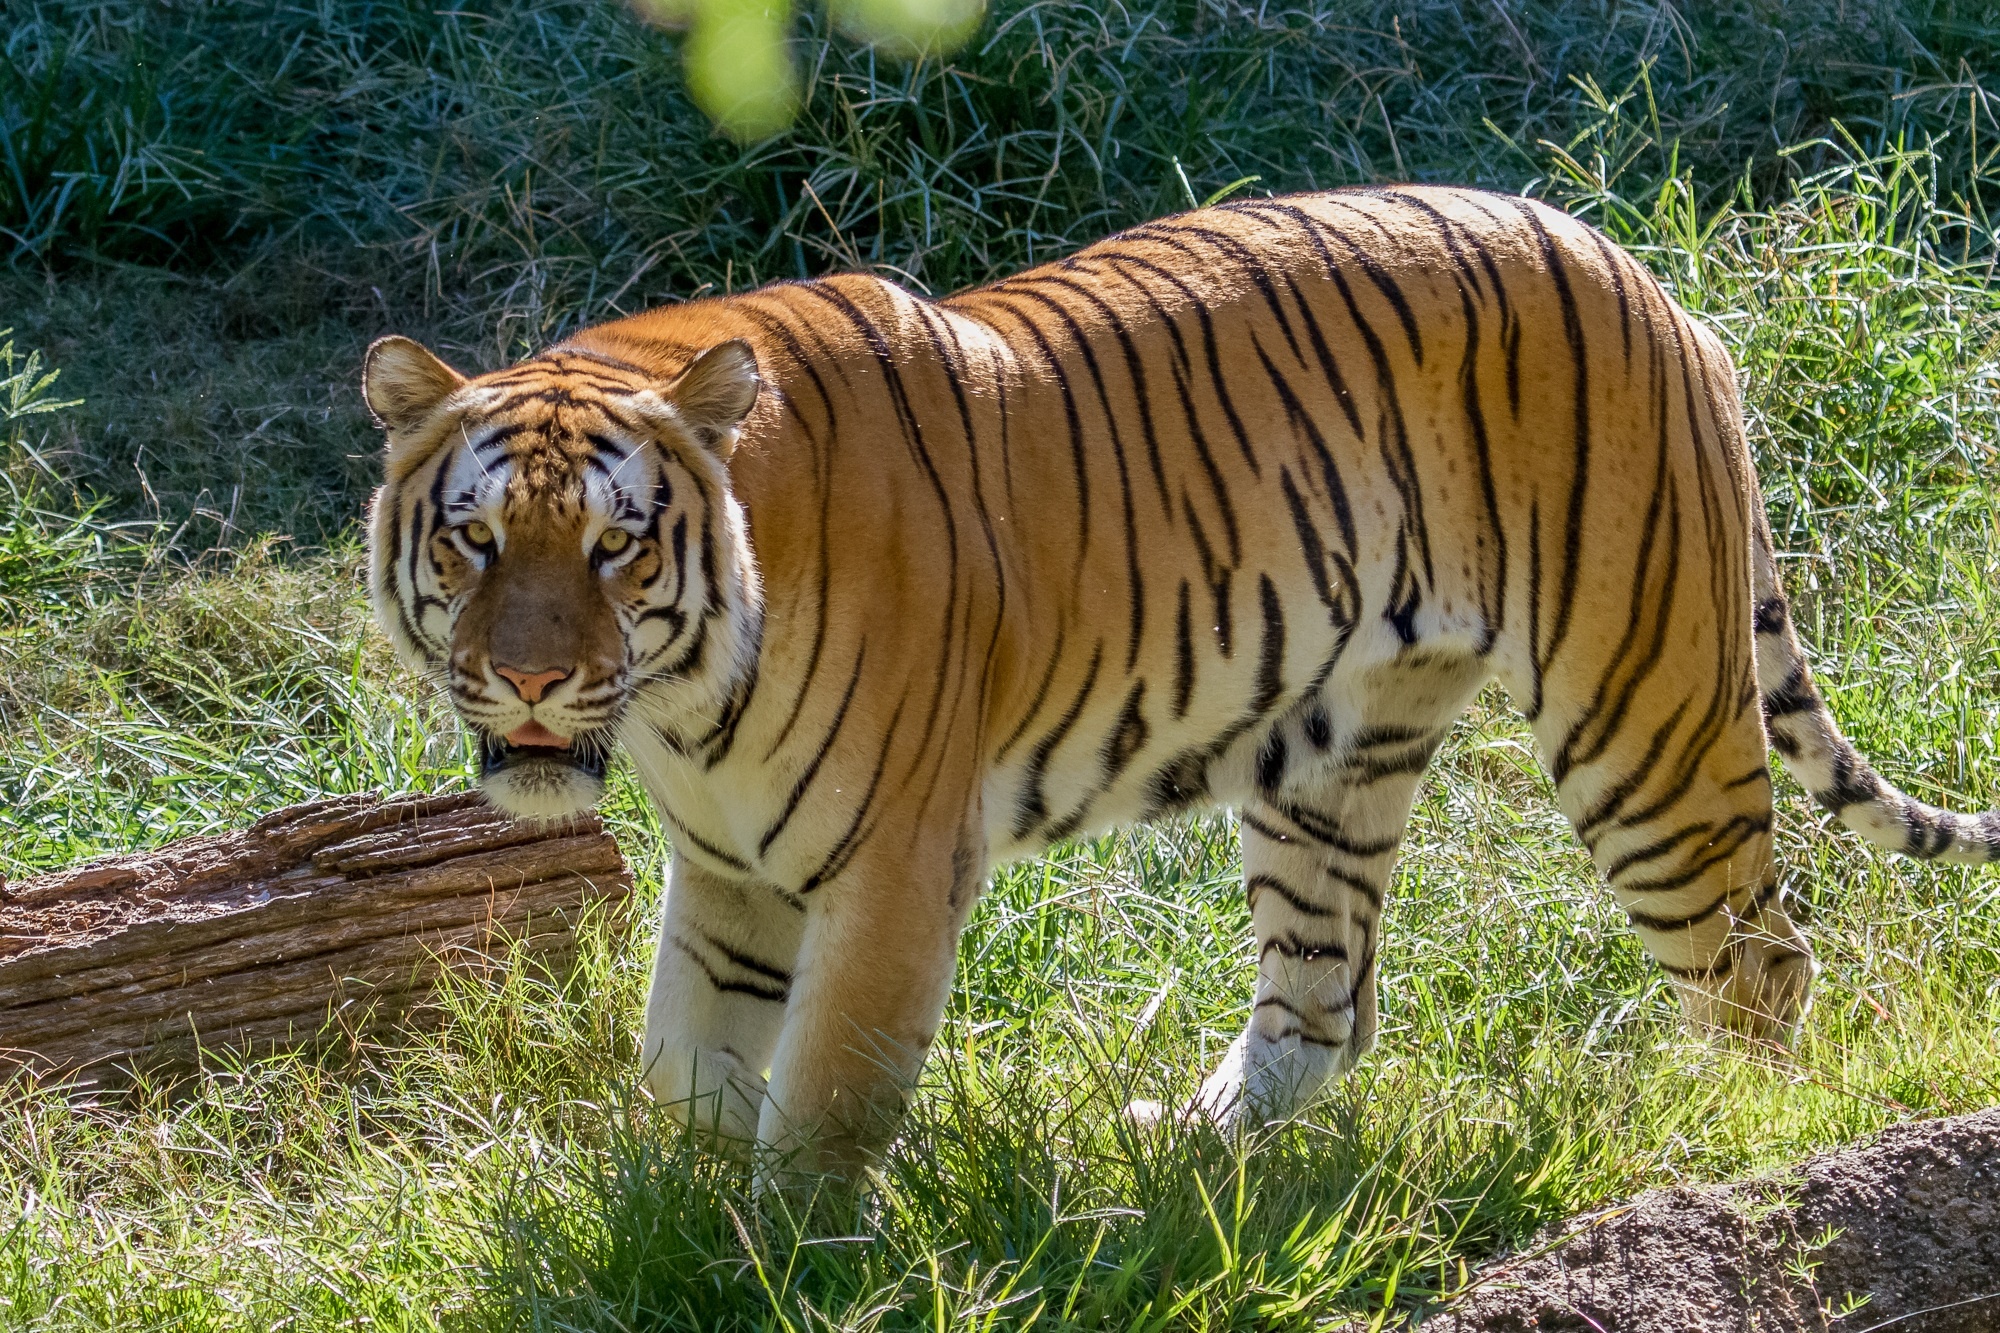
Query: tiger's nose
(531,685)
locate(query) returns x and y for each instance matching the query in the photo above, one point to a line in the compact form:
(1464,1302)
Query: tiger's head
(559,542)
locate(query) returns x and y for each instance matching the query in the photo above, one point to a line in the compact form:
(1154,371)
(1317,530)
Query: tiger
(1240,508)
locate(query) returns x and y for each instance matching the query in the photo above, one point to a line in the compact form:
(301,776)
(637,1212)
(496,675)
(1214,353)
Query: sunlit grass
(1530,1064)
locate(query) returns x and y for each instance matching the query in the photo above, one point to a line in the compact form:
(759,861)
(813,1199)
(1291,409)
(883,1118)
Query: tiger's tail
(1803,731)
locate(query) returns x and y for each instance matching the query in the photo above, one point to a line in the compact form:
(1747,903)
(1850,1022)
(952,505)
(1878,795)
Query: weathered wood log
(346,909)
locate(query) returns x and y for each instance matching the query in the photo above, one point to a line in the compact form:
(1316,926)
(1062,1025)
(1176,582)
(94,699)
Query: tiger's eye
(614,540)
(478,533)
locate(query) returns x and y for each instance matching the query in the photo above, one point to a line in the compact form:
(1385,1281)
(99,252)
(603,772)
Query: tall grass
(500,1173)
(44,555)
(541,156)
(312,174)
(148,689)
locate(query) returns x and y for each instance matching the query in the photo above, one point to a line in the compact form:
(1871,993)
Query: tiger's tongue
(538,736)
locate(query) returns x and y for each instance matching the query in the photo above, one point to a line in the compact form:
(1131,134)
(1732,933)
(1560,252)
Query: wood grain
(345,910)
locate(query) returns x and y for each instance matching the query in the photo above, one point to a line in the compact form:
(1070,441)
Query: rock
(1902,1234)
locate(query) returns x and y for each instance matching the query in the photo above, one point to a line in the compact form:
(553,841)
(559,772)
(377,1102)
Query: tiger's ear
(715,393)
(404,382)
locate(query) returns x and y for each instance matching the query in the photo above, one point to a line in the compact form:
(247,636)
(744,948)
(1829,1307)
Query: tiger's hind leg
(1677,815)
(722,974)
(1319,841)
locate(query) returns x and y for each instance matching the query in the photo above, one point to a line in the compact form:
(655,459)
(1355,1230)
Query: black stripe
(689,662)
(1384,283)
(1611,257)
(1269,765)
(1318,726)
(1136,581)
(1218,381)
(914,441)
(1249,260)
(1079,457)
(1532,711)
(1657,848)
(1389,734)
(1355,884)
(851,840)
(1034,807)
(1794,694)
(1182,366)
(1287,944)
(1721,967)
(1726,843)
(1183,656)
(1649,921)
(745,961)
(1482,447)
(1270,649)
(1129,736)
(1687,770)
(1303,425)
(1328,367)
(953,359)
(1310,546)
(1364,772)
(1391,291)
(1392,431)
(721,738)
(823,556)
(1135,366)
(1253,885)
(563,350)
(1035,704)
(1320,828)
(1854,782)
(398,571)
(1216,577)
(679,831)
(811,769)
(754,989)
(1609,713)
(1573,525)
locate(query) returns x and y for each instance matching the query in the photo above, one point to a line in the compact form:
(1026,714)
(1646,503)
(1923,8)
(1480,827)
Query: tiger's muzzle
(537,662)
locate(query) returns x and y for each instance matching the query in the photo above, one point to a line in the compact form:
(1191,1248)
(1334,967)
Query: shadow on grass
(1005,1207)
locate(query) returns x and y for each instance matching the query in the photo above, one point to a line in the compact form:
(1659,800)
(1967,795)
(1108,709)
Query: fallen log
(346,910)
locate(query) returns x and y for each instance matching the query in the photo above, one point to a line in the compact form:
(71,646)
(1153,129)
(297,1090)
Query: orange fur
(1237,508)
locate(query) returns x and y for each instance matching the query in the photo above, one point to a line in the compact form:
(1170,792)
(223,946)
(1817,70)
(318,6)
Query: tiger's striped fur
(1236,508)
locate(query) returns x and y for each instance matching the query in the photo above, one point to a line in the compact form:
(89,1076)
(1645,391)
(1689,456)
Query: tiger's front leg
(875,970)
(721,977)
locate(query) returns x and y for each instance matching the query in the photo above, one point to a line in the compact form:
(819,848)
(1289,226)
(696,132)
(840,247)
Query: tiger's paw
(1223,1113)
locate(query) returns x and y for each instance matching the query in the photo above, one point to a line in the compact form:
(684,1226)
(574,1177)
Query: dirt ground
(1901,1234)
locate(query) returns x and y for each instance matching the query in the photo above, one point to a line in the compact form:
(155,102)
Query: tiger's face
(559,543)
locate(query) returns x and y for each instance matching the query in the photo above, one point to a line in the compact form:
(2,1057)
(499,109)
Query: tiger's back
(1114,502)
(1240,507)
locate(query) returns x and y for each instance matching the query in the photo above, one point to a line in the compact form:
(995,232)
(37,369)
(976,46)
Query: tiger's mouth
(499,756)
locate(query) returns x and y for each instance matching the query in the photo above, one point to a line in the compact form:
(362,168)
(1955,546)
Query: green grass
(214,209)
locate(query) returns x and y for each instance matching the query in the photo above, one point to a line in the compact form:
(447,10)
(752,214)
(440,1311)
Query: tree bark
(346,910)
